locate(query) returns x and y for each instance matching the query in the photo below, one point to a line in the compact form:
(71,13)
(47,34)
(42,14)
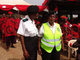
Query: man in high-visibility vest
(49,44)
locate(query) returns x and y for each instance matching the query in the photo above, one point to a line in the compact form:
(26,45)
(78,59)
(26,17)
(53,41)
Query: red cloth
(64,17)
(9,29)
(73,25)
(41,8)
(44,3)
(10,12)
(68,22)
(3,34)
(22,7)
(4,18)
(79,28)
(69,37)
(17,23)
(3,26)
(6,7)
(79,24)
(56,9)
(71,44)
(66,27)
(75,34)
(36,22)
(56,18)
(2,21)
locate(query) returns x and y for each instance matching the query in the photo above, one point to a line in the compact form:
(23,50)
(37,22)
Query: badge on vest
(58,29)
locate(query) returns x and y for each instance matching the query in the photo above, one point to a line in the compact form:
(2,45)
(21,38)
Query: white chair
(72,49)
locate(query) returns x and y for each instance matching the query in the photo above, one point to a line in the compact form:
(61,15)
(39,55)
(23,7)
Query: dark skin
(51,21)
(39,49)
(25,52)
(33,16)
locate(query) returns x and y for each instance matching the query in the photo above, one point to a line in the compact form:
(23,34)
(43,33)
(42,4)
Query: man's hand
(26,54)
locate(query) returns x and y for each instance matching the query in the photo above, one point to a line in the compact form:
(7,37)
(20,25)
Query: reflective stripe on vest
(50,44)
(51,40)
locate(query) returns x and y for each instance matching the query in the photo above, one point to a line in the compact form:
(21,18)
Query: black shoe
(13,47)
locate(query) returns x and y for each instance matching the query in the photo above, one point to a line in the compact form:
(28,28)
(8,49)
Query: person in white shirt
(50,36)
(29,33)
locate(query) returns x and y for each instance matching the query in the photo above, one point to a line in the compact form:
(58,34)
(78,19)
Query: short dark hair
(52,12)
(33,9)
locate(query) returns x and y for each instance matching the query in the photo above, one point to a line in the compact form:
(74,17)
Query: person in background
(74,31)
(17,19)
(3,20)
(66,29)
(9,31)
(79,29)
(0,25)
(50,39)
(29,33)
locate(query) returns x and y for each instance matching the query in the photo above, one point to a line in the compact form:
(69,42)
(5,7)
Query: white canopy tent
(18,5)
(13,2)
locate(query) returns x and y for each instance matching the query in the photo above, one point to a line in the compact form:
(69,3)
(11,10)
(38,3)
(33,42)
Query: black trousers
(54,55)
(31,44)
(10,39)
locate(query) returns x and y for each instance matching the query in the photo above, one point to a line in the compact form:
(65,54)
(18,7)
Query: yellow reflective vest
(50,40)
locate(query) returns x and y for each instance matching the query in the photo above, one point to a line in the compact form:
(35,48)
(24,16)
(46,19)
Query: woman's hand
(39,51)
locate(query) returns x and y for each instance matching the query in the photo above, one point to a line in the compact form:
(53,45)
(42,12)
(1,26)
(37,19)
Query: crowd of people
(72,29)
(38,31)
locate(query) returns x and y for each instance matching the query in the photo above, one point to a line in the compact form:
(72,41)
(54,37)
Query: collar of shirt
(53,25)
(53,28)
(29,19)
